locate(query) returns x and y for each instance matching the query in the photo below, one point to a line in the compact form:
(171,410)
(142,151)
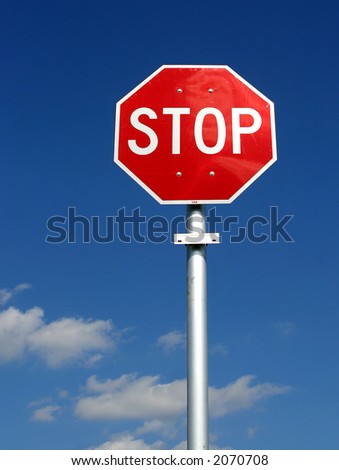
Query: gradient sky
(92,336)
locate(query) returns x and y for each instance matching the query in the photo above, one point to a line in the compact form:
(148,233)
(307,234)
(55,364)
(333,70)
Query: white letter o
(199,121)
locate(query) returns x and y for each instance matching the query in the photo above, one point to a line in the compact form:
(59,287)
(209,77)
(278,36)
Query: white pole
(197,362)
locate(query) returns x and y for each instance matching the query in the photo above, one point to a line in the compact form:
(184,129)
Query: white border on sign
(200,201)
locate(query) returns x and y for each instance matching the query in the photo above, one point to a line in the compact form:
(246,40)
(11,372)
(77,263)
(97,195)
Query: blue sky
(92,336)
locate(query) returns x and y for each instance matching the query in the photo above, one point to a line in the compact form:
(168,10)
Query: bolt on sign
(195,134)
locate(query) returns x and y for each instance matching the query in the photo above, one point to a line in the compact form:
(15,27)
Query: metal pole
(197,375)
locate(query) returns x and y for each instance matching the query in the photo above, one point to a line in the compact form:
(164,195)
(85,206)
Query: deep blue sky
(273,307)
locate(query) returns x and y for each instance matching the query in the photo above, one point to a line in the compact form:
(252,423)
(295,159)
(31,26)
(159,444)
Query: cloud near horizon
(161,406)
(127,441)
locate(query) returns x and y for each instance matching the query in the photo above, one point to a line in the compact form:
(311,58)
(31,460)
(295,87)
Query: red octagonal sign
(194,134)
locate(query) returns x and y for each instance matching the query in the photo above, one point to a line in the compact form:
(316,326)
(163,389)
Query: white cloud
(6,294)
(145,398)
(172,340)
(46,413)
(58,343)
(127,441)
(161,406)
(181,446)
(241,395)
(130,397)
(70,339)
(41,401)
(166,428)
(94,359)
(15,330)
(153,426)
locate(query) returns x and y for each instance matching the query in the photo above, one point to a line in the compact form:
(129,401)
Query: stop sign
(194,134)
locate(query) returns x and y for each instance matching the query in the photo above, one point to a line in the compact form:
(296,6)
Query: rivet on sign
(212,173)
(179,173)
(179,90)
(210,90)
